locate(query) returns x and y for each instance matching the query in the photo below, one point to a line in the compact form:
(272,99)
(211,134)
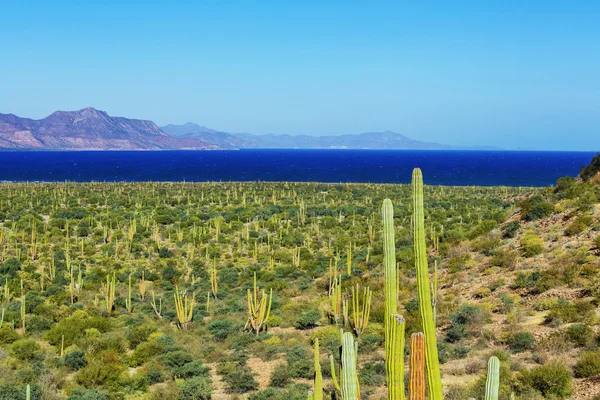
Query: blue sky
(508,73)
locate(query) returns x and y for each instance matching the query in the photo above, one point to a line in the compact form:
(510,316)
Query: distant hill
(89,129)
(369,140)
(195,131)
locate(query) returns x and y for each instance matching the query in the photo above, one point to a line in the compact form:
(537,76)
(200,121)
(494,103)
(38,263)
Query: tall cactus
(318,389)
(395,381)
(434,379)
(395,364)
(417,382)
(184,308)
(348,373)
(492,383)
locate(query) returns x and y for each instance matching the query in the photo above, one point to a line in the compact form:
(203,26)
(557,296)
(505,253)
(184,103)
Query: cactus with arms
(434,380)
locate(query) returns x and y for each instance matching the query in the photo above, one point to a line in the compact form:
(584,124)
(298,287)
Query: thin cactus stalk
(395,364)
(28,392)
(318,386)
(492,383)
(23,308)
(348,374)
(417,381)
(214,284)
(128,303)
(361,311)
(334,379)
(111,284)
(157,308)
(142,287)
(259,310)
(434,380)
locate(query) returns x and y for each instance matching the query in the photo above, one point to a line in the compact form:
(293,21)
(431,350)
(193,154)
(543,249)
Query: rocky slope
(89,129)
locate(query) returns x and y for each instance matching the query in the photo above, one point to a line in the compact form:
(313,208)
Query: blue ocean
(487,168)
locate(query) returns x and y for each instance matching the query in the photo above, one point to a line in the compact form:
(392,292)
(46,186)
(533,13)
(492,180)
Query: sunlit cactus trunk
(318,389)
(395,363)
(394,380)
(434,380)
(492,383)
(348,373)
(417,382)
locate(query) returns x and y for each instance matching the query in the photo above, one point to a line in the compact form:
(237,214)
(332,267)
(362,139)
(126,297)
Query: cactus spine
(492,383)
(434,380)
(417,382)
(318,389)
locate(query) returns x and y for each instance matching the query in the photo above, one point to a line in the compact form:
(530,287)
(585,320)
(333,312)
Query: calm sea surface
(523,168)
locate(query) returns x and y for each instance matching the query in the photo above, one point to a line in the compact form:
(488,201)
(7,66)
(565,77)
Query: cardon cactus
(434,380)
(348,373)
(492,383)
(395,380)
(416,382)
(395,364)
(317,394)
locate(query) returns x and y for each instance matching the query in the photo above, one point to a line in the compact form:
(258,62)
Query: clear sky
(508,73)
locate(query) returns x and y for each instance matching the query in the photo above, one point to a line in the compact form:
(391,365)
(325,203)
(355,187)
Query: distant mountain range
(91,129)
(370,140)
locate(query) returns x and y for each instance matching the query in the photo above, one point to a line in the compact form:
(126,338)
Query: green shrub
(8,335)
(103,370)
(580,334)
(25,349)
(308,320)
(552,380)
(587,365)
(140,333)
(75,360)
(222,328)
(198,388)
(281,376)
(531,244)
(521,341)
(238,377)
(192,369)
(579,225)
(510,229)
(87,394)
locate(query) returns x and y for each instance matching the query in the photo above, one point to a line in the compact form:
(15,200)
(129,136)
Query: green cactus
(492,383)
(395,364)
(395,379)
(434,380)
(348,373)
(28,392)
(318,389)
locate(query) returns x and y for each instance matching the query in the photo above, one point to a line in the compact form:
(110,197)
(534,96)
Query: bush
(25,349)
(75,360)
(281,376)
(531,244)
(87,394)
(539,209)
(580,334)
(587,365)
(579,225)
(552,380)
(199,388)
(308,320)
(221,328)
(238,377)
(510,229)
(521,341)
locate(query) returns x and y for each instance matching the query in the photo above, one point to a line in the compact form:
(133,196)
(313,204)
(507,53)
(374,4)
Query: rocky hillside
(89,129)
